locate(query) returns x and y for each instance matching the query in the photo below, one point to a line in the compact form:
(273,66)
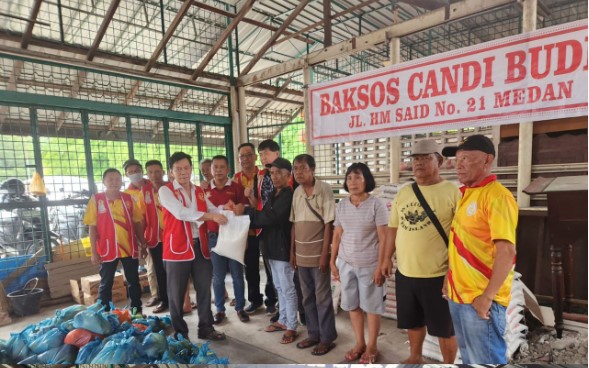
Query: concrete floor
(247,343)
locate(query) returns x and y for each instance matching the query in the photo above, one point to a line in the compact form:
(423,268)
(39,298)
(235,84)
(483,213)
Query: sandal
(307,343)
(368,358)
(275,327)
(323,348)
(354,355)
(289,336)
(193,305)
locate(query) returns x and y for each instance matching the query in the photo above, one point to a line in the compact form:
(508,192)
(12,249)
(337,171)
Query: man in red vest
(134,172)
(186,251)
(116,233)
(154,227)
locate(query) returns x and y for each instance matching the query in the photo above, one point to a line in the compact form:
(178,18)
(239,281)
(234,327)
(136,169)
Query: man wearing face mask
(134,172)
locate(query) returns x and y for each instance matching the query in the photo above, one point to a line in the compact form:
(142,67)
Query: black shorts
(420,303)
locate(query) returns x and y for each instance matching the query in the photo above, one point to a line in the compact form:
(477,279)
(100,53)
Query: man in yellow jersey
(481,254)
(413,233)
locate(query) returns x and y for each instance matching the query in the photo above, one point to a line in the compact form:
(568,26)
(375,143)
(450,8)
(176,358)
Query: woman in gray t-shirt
(360,228)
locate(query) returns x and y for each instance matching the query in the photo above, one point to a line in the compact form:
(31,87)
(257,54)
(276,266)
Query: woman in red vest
(186,251)
(116,233)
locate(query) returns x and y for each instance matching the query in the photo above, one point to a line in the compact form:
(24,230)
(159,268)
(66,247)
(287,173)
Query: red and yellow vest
(178,234)
(106,243)
(154,233)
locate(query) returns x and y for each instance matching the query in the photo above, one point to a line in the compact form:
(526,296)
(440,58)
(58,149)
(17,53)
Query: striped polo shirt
(359,243)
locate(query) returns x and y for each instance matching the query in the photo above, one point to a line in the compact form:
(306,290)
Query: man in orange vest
(116,233)
(186,251)
(154,227)
(134,172)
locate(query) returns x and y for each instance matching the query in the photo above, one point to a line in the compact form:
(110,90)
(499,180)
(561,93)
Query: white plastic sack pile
(515,331)
(232,239)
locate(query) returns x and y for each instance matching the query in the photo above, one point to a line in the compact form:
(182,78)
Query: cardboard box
(91,283)
(118,295)
(76,291)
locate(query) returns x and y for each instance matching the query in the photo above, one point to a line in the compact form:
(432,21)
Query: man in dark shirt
(273,219)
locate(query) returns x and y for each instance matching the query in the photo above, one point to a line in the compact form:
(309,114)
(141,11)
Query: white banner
(534,76)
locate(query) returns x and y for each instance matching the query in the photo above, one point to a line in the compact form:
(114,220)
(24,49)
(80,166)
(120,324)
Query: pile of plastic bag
(89,335)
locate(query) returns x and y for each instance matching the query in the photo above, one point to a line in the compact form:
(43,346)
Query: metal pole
(42,198)
(395,142)
(242,116)
(166,124)
(88,152)
(308,134)
(129,136)
(526,129)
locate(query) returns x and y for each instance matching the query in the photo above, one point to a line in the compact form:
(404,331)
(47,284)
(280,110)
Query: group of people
(455,248)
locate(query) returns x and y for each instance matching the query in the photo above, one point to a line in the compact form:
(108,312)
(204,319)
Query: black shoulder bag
(429,212)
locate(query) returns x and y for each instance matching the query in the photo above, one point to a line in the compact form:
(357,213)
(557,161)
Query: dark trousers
(252,270)
(177,274)
(107,276)
(318,303)
(160,272)
(270,290)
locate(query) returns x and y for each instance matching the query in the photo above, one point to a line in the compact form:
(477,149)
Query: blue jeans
(480,340)
(220,267)
(283,275)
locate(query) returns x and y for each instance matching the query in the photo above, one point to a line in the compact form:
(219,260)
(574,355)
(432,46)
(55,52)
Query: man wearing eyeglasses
(247,177)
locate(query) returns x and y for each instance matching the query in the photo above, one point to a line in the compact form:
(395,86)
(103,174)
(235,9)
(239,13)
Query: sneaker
(243,316)
(218,318)
(270,310)
(275,318)
(252,307)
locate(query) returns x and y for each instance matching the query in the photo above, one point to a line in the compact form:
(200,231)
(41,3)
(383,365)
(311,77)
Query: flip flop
(367,358)
(354,355)
(275,327)
(323,348)
(307,343)
(288,338)
(193,305)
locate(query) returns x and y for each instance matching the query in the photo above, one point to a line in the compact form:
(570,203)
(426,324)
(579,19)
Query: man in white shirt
(186,252)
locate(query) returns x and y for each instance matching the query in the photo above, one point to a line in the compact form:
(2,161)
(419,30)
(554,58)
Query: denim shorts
(480,340)
(358,290)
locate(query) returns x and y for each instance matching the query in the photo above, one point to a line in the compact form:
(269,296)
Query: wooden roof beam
(268,102)
(226,33)
(110,13)
(327,23)
(425,21)
(320,23)
(274,37)
(249,21)
(28,33)
(169,33)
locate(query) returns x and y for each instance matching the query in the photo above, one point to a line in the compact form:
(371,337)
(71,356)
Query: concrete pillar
(242,114)
(235,126)
(395,142)
(308,133)
(526,129)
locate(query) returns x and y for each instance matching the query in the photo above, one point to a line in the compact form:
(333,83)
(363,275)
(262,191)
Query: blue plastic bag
(65,355)
(18,348)
(93,321)
(88,352)
(51,339)
(154,345)
(66,314)
(115,352)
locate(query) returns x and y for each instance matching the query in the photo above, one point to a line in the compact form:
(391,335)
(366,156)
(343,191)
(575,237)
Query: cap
(281,163)
(425,147)
(473,143)
(131,162)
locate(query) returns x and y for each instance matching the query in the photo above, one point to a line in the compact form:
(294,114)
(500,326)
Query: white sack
(232,239)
